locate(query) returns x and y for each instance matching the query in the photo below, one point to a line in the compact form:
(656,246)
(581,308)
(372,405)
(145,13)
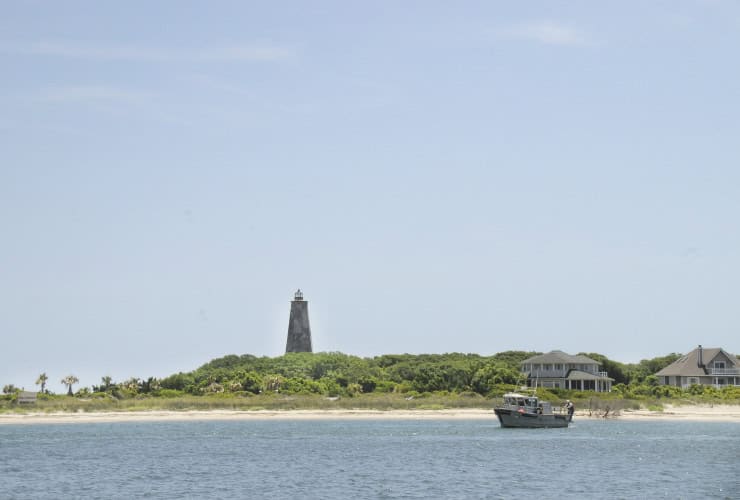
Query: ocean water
(353,459)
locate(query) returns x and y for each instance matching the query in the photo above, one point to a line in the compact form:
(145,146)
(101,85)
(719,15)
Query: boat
(521,410)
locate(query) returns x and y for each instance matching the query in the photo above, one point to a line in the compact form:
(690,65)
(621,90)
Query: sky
(436,177)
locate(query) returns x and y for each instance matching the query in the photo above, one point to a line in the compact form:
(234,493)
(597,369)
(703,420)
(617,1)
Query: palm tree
(69,380)
(132,384)
(107,381)
(42,382)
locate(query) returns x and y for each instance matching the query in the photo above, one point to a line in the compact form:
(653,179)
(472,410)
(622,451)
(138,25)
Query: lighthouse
(299,329)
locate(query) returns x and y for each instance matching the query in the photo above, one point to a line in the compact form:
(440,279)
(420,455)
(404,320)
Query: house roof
(560,357)
(688,365)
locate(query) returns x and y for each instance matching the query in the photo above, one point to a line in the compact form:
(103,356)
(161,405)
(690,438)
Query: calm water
(370,459)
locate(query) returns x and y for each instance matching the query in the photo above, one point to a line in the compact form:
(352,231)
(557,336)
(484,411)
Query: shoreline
(699,413)
(696,413)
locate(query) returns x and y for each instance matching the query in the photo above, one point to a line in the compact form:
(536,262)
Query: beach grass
(590,403)
(381,402)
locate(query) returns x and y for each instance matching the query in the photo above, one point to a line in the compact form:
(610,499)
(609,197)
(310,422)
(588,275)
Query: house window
(719,365)
(559,366)
(693,381)
(535,367)
(547,367)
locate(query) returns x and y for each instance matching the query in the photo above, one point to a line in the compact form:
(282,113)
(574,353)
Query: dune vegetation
(333,380)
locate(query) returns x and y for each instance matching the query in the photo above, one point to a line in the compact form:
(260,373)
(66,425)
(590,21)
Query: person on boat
(570,407)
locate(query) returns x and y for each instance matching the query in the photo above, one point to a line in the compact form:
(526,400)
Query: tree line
(337,374)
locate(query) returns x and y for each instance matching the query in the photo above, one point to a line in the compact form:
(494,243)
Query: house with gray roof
(702,366)
(559,370)
(26,397)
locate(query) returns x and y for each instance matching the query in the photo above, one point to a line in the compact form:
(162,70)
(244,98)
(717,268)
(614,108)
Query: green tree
(149,385)
(491,375)
(513,359)
(615,369)
(42,382)
(9,389)
(652,380)
(250,382)
(178,381)
(106,385)
(133,385)
(69,381)
(636,373)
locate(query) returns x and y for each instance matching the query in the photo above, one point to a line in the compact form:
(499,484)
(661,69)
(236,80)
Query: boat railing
(547,408)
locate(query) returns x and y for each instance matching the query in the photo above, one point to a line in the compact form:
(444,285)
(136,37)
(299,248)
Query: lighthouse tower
(299,329)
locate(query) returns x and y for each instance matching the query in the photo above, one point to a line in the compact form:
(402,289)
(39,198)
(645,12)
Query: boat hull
(514,418)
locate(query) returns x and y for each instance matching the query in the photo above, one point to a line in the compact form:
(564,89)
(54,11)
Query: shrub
(169,393)
(368,384)
(251,382)
(179,381)
(353,390)
(385,386)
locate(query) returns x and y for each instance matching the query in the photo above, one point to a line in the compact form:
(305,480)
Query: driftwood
(606,412)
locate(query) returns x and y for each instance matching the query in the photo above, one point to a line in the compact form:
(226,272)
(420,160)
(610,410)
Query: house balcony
(547,373)
(724,371)
(716,386)
(561,373)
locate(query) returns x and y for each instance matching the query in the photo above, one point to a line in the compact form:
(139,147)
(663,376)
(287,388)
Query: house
(559,370)
(26,397)
(702,366)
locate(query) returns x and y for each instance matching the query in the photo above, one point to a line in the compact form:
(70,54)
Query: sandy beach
(706,413)
(194,415)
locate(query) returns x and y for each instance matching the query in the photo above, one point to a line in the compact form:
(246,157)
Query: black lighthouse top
(298,295)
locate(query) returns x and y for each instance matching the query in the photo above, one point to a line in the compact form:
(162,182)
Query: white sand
(193,415)
(705,413)
(715,413)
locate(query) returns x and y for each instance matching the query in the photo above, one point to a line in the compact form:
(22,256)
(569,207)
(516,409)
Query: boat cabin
(526,404)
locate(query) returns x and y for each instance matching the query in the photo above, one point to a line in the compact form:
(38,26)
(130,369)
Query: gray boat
(520,410)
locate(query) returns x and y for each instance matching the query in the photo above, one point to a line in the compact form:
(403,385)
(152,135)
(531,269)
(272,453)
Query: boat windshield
(520,400)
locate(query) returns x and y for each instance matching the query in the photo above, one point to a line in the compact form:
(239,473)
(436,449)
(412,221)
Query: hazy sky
(436,177)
